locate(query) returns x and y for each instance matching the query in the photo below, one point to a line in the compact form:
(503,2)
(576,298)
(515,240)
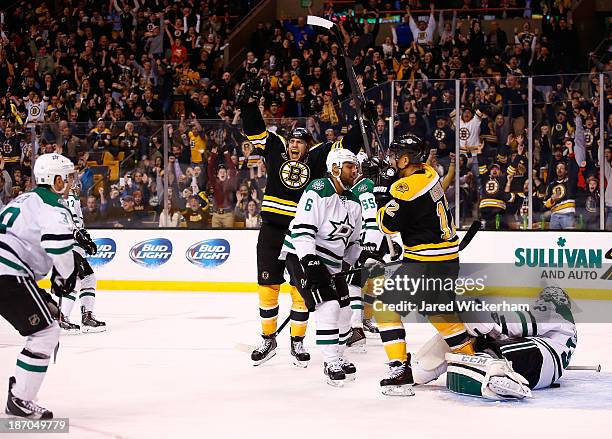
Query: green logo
(559,257)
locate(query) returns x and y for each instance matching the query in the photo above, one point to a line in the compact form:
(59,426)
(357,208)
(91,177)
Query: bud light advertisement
(107,249)
(152,253)
(209,253)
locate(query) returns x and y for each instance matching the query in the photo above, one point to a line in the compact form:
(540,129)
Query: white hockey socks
(328,333)
(68,304)
(33,360)
(356,297)
(344,325)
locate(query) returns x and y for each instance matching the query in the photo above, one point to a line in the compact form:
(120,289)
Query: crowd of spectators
(94,80)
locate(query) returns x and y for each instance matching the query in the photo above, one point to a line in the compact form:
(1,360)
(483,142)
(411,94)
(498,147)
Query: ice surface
(168,367)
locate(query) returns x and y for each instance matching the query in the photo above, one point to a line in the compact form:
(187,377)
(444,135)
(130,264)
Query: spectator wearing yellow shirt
(197,143)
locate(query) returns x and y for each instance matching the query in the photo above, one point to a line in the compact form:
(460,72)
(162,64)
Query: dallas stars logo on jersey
(342,230)
(294,174)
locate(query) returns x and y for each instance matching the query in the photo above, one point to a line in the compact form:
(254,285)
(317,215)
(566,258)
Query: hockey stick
(356,93)
(596,368)
(248,348)
(467,238)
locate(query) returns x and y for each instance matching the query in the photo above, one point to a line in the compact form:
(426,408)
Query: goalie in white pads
(325,233)
(36,235)
(86,283)
(519,351)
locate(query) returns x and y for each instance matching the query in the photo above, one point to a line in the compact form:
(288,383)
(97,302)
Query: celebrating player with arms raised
(292,163)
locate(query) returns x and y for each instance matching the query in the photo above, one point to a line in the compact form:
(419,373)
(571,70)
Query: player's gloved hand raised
(81,236)
(371,168)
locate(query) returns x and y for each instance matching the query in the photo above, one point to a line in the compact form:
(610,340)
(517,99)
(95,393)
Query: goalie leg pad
(429,363)
(486,377)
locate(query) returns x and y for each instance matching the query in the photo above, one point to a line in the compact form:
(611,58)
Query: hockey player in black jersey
(292,163)
(419,211)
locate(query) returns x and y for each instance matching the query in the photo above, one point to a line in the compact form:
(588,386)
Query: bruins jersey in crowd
(10,149)
(287,179)
(419,212)
(494,196)
(564,190)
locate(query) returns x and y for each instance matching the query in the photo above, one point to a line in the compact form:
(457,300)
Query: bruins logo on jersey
(558,127)
(7,148)
(294,174)
(492,187)
(439,134)
(34,110)
(559,190)
(591,205)
(464,133)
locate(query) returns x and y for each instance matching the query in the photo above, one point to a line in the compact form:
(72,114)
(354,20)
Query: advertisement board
(225,260)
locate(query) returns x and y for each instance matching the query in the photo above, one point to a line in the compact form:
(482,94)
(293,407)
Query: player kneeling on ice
(324,233)
(36,234)
(86,277)
(516,352)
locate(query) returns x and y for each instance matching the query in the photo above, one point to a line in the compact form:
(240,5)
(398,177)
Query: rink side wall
(225,260)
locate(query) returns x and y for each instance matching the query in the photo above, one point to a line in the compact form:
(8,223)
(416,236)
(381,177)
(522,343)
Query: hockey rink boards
(168,367)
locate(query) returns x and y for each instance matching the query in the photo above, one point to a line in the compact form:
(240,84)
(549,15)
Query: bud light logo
(152,253)
(209,253)
(107,248)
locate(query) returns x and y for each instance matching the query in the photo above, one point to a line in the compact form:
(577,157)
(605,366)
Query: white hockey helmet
(47,166)
(339,156)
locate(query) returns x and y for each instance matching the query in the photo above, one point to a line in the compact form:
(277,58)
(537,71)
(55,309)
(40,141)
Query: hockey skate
(67,326)
(265,351)
(399,381)
(299,354)
(357,341)
(349,369)
(370,326)
(334,373)
(24,409)
(89,322)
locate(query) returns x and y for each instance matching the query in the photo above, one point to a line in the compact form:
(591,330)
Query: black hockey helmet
(410,145)
(302,134)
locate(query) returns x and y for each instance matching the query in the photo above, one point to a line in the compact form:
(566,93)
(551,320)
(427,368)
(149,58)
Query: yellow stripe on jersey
(492,202)
(448,257)
(569,205)
(379,221)
(260,136)
(280,200)
(437,245)
(280,212)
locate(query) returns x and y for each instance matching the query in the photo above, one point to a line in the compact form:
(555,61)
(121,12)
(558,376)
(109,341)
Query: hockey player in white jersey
(370,239)
(36,235)
(324,233)
(516,351)
(86,281)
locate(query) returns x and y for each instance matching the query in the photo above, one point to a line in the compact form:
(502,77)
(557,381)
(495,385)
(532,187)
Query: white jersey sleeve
(36,233)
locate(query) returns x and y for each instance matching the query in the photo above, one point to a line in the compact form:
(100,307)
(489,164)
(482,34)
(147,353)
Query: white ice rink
(168,368)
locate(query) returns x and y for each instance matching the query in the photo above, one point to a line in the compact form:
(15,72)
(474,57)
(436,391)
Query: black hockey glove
(371,259)
(81,236)
(371,168)
(251,89)
(63,287)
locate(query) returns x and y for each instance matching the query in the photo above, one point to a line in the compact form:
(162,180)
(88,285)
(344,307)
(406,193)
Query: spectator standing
(223,183)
